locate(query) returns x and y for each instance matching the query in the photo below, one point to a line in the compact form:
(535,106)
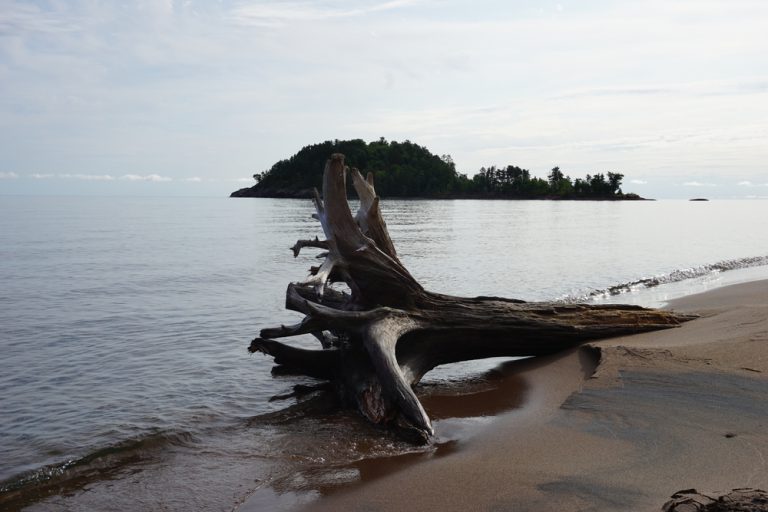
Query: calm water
(124,324)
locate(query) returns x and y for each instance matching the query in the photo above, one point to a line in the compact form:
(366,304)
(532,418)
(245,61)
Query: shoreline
(309,194)
(619,424)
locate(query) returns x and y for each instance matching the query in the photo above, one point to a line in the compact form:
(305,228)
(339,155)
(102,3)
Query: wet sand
(620,424)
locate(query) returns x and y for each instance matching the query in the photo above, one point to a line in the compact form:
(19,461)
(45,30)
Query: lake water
(124,323)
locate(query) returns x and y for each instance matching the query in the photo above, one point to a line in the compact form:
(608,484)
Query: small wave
(30,485)
(672,277)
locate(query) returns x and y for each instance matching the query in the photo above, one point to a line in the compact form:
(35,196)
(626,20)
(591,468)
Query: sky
(187,97)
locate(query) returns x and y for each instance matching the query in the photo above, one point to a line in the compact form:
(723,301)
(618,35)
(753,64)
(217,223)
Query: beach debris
(738,500)
(381,331)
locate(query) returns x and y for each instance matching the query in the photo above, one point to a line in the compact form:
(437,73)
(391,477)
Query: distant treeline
(405,169)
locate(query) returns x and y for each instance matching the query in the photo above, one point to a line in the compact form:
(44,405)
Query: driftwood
(385,331)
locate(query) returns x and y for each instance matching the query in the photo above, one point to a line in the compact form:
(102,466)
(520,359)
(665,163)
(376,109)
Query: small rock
(737,500)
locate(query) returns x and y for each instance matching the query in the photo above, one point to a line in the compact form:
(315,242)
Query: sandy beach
(619,424)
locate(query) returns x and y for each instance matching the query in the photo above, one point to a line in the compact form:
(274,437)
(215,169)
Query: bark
(381,336)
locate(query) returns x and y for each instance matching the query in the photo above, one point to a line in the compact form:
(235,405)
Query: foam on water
(690,280)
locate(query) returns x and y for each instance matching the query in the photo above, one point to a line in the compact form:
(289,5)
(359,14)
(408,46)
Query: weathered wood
(382,337)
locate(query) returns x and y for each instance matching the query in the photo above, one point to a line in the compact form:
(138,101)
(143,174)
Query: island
(408,170)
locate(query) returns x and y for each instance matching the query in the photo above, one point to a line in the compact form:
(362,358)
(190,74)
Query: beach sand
(619,424)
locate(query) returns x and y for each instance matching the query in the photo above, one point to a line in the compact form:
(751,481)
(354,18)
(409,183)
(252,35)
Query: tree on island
(556,177)
(402,169)
(405,169)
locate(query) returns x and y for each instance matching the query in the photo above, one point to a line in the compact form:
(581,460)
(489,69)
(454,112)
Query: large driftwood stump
(382,334)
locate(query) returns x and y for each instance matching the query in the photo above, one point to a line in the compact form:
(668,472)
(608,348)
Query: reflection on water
(540,250)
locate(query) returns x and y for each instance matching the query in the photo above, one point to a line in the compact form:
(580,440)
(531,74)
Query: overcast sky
(188,97)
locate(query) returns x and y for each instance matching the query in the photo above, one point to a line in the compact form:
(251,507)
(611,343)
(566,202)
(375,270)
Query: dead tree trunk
(379,339)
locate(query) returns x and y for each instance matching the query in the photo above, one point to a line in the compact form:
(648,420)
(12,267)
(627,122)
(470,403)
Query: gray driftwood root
(381,335)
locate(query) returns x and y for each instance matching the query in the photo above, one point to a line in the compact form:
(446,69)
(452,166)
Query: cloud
(87,177)
(698,184)
(104,177)
(617,91)
(149,177)
(638,182)
(275,14)
(138,178)
(21,18)
(747,183)
(756,86)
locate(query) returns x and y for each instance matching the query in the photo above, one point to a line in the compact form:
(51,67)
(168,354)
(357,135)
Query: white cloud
(698,184)
(8,175)
(638,182)
(87,177)
(703,88)
(745,183)
(275,14)
(39,176)
(149,177)
(21,18)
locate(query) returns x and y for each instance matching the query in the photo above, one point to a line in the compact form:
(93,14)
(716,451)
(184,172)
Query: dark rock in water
(631,196)
(699,199)
(738,500)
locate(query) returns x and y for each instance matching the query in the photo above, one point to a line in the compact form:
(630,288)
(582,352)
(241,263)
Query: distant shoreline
(308,194)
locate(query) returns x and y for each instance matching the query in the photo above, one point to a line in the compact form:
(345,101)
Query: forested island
(405,169)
